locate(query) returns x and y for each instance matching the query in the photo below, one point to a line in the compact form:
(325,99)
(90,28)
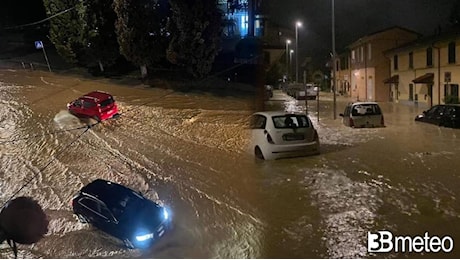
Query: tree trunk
(101,66)
(143,72)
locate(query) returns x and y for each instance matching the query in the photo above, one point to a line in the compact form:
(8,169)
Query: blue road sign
(38,45)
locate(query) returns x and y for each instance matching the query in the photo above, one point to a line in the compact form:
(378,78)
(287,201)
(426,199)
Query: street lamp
(297,25)
(287,59)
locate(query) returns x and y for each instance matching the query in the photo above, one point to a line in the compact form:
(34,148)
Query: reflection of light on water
(65,120)
(348,208)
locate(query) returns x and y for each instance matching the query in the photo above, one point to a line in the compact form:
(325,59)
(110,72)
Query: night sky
(356,18)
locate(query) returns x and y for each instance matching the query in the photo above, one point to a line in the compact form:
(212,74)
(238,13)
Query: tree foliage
(67,29)
(141,30)
(196,27)
(101,39)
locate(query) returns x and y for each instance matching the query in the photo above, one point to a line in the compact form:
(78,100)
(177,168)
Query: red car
(97,105)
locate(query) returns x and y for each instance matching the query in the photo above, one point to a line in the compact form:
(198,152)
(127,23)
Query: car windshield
(291,121)
(129,200)
(106,102)
(366,110)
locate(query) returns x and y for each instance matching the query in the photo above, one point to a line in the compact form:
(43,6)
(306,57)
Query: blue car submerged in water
(121,212)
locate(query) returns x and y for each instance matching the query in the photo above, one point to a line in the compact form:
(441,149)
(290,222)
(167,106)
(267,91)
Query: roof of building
(427,41)
(373,34)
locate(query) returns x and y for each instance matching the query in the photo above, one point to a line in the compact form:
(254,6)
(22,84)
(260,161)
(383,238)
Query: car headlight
(165,214)
(144,237)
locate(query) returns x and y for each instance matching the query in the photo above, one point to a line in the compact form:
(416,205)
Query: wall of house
(377,64)
(407,75)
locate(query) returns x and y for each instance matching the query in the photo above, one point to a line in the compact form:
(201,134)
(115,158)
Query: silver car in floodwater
(363,114)
(277,134)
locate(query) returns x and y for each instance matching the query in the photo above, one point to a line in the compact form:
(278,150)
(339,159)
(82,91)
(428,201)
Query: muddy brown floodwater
(187,150)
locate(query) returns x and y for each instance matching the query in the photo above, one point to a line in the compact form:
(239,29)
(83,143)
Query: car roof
(107,191)
(277,113)
(364,103)
(97,95)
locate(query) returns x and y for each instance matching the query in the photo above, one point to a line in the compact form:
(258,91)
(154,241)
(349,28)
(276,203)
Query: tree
(141,31)
(23,221)
(454,17)
(66,29)
(100,37)
(196,28)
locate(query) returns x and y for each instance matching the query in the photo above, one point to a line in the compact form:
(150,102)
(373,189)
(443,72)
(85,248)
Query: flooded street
(187,151)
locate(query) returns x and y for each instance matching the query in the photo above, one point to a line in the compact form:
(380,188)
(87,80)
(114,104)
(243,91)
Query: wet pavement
(188,150)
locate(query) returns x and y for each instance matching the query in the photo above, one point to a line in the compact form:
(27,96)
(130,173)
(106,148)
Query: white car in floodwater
(277,134)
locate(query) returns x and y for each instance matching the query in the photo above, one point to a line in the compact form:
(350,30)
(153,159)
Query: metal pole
(46,58)
(439,78)
(333,61)
(296,53)
(287,59)
(306,99)
(317,105)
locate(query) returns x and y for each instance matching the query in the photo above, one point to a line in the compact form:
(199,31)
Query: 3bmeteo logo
(384,242)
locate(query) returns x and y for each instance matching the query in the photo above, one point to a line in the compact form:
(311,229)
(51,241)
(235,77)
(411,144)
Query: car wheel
(81,218)
(258,153)
(128,243)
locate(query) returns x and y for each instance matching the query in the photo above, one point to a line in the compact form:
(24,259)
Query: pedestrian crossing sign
(38,45)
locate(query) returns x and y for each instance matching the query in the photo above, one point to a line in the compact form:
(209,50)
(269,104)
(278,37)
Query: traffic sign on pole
(39,45)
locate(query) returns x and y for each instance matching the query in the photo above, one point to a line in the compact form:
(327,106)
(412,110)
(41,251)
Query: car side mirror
(341,115)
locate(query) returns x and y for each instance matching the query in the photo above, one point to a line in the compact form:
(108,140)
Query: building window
(411,60)
(429,57)
(361,53)
(451,52)
(337,65)
(369,51)
(451,89)
(395,62)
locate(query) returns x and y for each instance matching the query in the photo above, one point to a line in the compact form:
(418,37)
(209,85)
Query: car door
(434,114)
(97,214)
(89,208)
(77,106)
(257,124)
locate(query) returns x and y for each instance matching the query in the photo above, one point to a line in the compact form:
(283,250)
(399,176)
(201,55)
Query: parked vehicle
(363,114)
(277,134)
(302,91)
(121,212)
(98,105)
(312,91)
(442,115)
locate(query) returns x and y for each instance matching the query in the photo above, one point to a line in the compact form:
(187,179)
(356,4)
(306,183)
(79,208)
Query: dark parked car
(121,212)
(441,115)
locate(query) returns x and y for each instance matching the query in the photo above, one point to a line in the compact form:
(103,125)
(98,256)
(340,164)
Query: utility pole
(333,62)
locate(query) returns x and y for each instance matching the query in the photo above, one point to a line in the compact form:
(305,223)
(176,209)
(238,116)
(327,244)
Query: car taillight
(315,136)
(382,121)
(351,122)
(269,138)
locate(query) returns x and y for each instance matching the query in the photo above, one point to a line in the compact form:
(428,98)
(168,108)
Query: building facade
(366,67)
(427,71)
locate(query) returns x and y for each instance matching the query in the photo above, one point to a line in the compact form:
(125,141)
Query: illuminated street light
(297,25)
(287,58)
